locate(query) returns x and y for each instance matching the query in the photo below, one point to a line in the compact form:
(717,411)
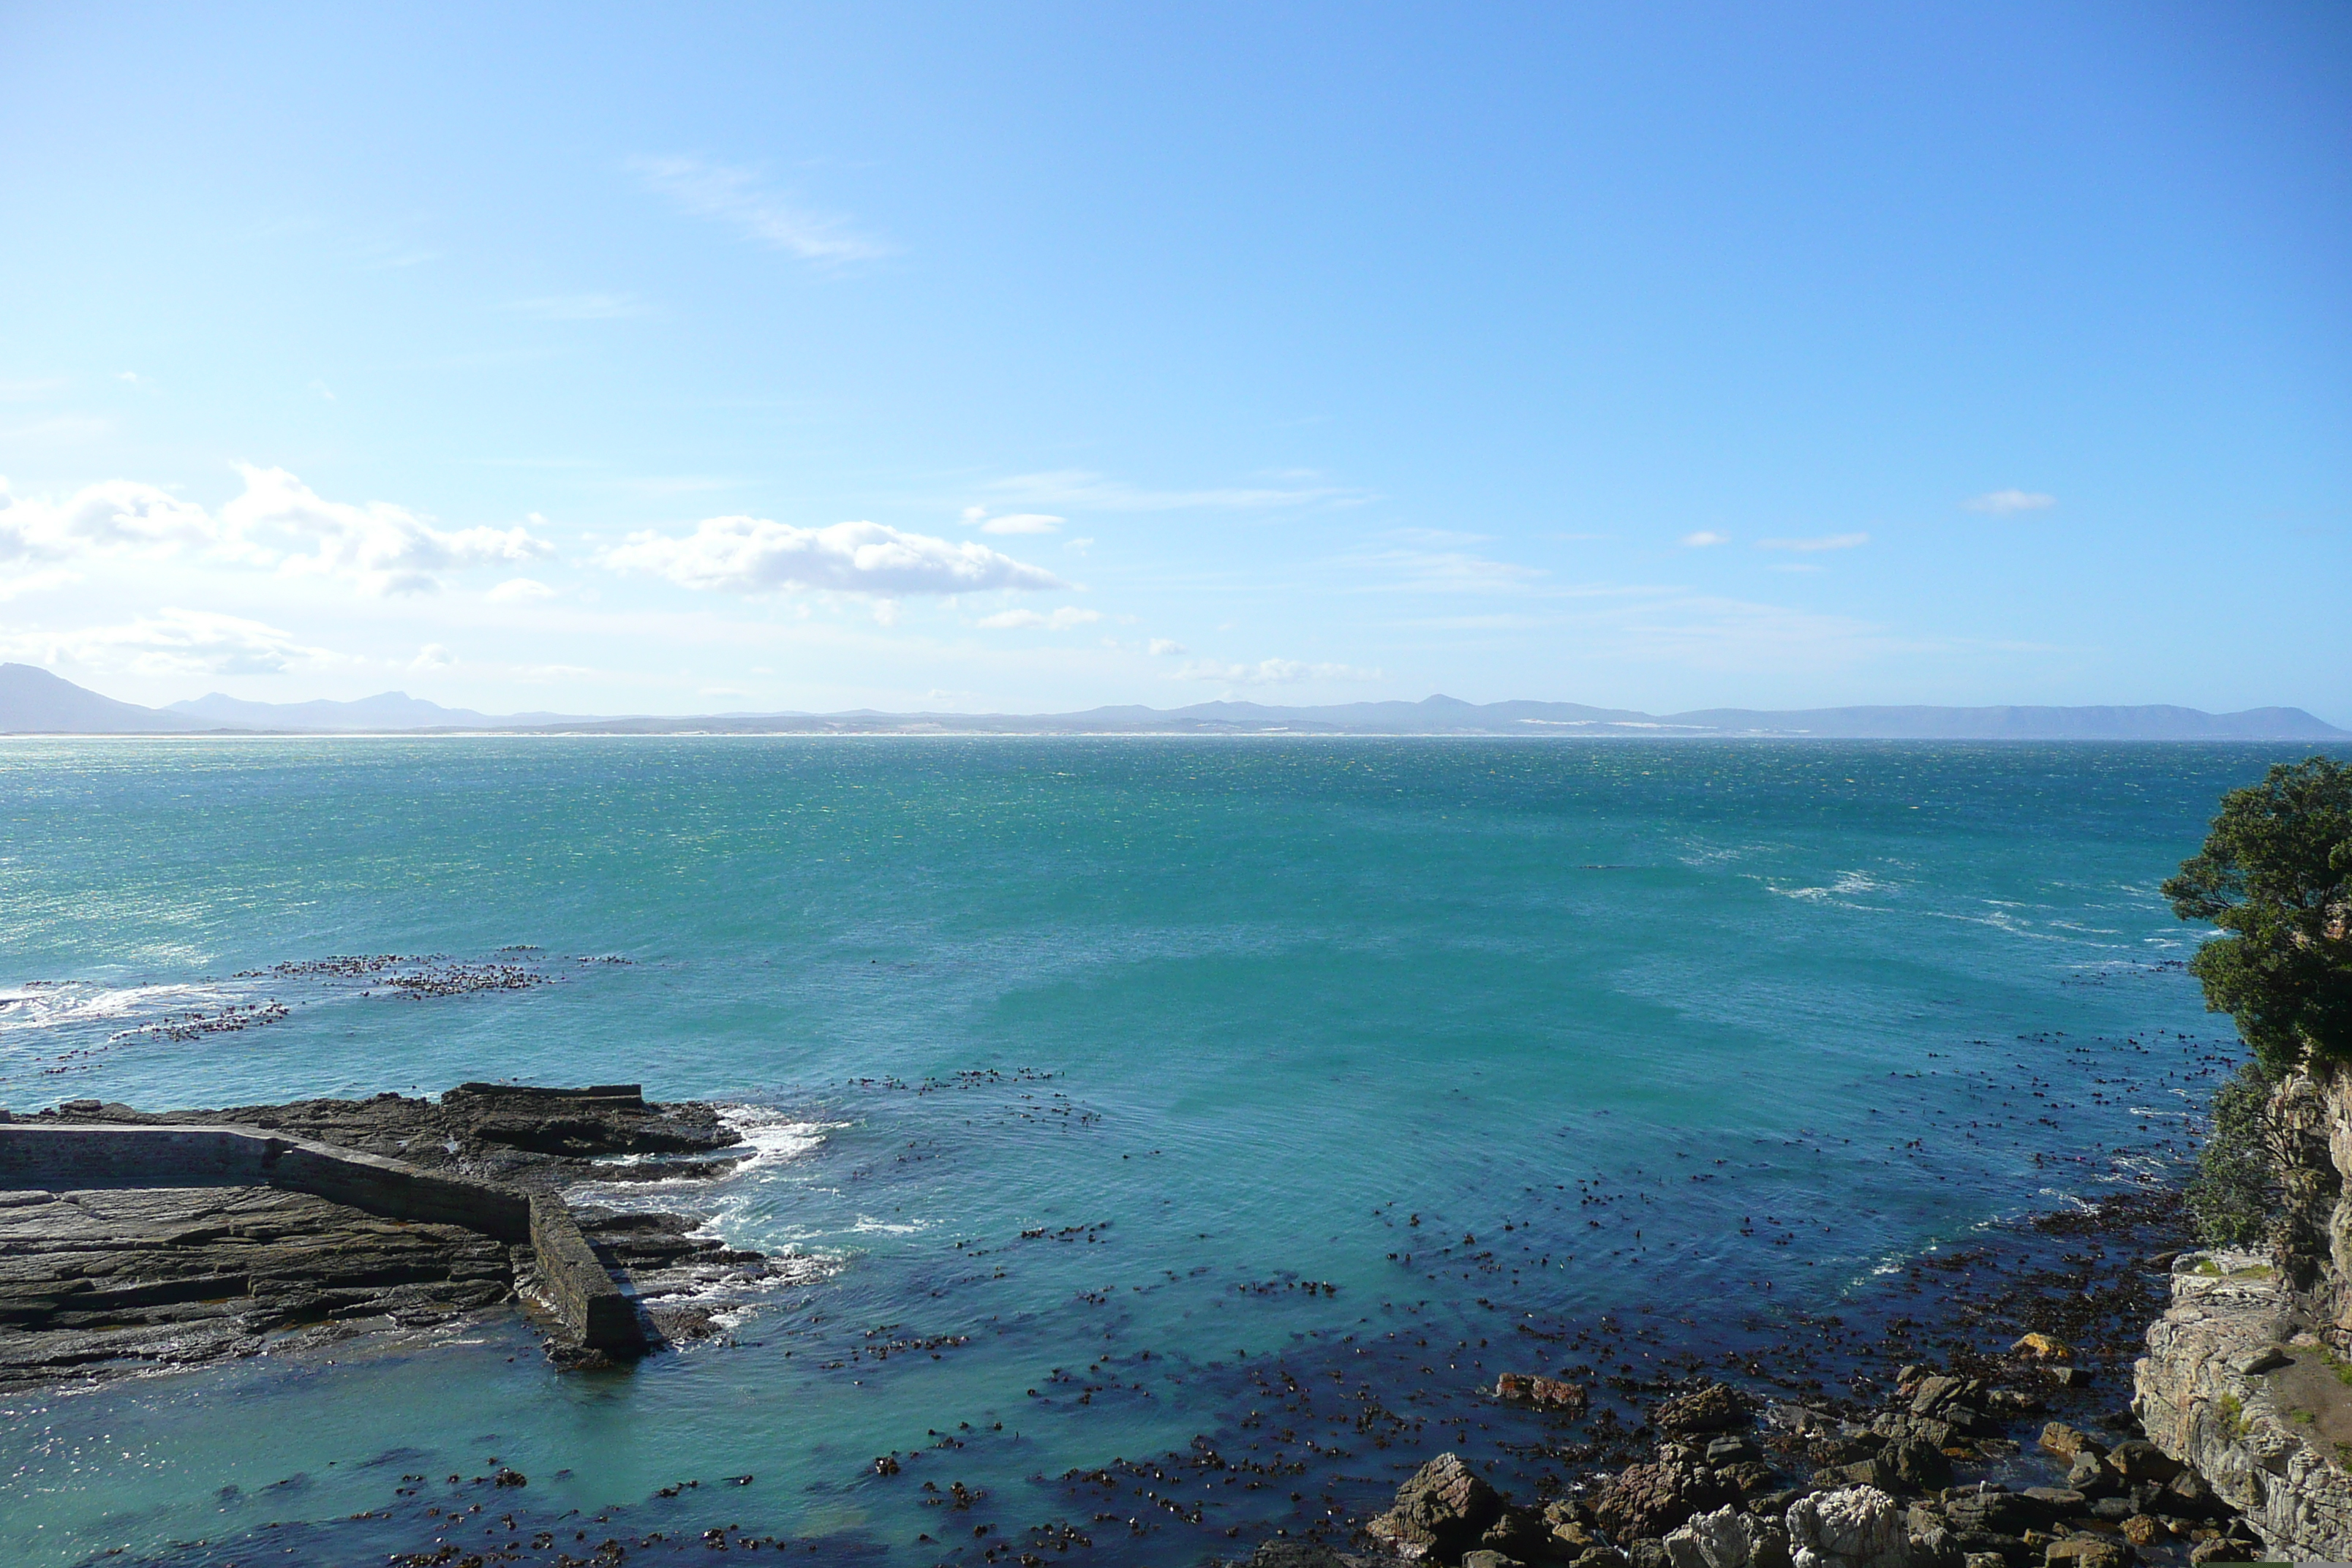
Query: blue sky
(1032,357)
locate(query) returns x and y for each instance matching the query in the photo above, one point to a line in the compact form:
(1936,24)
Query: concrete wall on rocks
(596,1311)
(66,1157)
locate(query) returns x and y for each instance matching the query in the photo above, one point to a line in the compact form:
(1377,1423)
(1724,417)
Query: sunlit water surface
(1698,1026)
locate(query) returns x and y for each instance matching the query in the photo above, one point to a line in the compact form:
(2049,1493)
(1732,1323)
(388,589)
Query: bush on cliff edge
(2235,1193)
(2275,875)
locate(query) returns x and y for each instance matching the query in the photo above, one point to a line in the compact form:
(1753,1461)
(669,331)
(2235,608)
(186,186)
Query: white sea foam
(1849,885)
(775,1136)
(70,1003)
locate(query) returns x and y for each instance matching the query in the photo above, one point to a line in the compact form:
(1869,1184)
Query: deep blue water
(1710,1028)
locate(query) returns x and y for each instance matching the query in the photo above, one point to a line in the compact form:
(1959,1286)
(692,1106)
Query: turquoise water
(1708,1028)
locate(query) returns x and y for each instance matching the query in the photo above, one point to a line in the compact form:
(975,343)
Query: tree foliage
(2235,1190)
(2275,875)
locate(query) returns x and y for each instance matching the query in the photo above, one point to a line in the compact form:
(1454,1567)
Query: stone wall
(580,1288)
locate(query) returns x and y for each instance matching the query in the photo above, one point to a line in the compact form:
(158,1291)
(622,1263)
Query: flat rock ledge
(2235,1386)
(134,1241)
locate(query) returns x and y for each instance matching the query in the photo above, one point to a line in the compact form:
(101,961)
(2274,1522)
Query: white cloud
(35,583)
(1272,672)
(278,521)
(1061,620)
(739,197)
(117,516)
(1080,545)
(885,613)
(1827,541)
(1161,647)
(1704,538)
(321,391)
(385,549)
(1091,492)
(580,307)
(433,655)
(2003,503)
(178,642)
(753,554)
(519,591)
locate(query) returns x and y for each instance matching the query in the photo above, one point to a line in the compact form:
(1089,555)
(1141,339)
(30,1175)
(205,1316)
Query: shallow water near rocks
(1099,1085)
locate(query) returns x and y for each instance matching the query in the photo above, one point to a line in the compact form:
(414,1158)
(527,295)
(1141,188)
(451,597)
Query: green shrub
(2235,1191)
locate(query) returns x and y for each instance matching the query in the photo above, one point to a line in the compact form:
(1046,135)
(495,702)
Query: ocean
(1117,1099)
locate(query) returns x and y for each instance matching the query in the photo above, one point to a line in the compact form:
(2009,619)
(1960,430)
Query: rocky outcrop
(2240,1379)
(2236,1389)
(120,1279)
(130,1239)
(1441,1512)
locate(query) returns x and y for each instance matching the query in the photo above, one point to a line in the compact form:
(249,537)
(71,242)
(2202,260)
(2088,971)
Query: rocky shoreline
(100,1280)
(1964,1413)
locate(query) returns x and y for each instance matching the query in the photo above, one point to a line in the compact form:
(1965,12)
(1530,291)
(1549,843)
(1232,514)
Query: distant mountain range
(34,702)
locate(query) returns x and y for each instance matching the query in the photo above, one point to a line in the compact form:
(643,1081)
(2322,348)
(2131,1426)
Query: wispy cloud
(1014,522)
(2003,503)
(431,657)
(1704,538)
(752,555)
(1436,536)
(1061,620)
(740,198)
(1082,490)
(1445,572)
(580,307)
(177,642)
(1826,541)
(1166,648)
(519,591)
(1272,672)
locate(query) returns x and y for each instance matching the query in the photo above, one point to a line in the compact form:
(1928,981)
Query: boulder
(1485,1559)
(1728,1538)
(1297,1554)
(2141,1460)
(1647,1500)
(1710,1407)
(1936,1548)
(1937,1390)
(1544,1392)
(1521,1534)
(1986,1511)
(2087,1552)
(1443,1510)
(2089,1474)
(1917,1466)
(1858,1527)
(2065,1441)
(2042,1347)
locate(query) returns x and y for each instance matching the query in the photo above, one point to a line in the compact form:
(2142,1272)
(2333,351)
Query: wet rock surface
(101,1281)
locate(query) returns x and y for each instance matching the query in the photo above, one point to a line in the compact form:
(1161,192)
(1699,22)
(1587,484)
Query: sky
(1030,357)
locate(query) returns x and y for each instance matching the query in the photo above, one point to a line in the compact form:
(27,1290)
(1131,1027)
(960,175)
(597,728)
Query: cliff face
(2248,1376)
